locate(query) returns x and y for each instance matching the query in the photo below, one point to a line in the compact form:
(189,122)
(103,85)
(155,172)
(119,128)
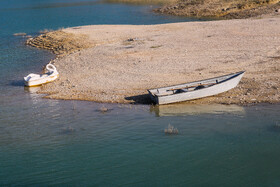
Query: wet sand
(126,60)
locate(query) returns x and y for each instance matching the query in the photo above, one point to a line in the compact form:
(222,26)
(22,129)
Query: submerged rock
(171,130)
(67,130)
(20,34)
(103,109)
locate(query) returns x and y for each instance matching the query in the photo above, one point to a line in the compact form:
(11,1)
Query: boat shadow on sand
(140,99)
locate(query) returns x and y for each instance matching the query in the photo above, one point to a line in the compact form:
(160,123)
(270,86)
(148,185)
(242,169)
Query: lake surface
(54,142)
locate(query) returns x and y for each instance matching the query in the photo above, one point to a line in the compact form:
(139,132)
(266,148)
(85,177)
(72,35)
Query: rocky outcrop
(221,8)
(60,42)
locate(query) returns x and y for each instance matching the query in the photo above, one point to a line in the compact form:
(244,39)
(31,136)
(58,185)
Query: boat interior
(192,86)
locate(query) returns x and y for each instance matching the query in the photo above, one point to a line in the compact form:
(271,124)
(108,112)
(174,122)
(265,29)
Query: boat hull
(32,79)
(230,82)
(39,82)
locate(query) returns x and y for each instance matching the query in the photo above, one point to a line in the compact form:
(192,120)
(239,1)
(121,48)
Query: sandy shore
(125,60)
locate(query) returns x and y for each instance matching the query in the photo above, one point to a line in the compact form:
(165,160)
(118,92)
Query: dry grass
(215,8)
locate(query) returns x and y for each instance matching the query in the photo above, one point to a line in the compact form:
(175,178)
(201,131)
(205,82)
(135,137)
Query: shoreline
(123,61)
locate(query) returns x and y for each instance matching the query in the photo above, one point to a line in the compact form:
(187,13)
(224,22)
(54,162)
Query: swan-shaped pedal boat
(39,79)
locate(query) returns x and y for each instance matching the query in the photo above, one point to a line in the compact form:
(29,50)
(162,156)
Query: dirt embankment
(221,8)
(127,59)
(60,43)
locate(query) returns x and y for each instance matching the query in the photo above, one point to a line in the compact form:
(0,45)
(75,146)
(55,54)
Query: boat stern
(153,97)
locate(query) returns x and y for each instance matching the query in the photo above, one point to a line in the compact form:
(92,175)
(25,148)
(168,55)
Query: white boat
(195,90)
(39,79)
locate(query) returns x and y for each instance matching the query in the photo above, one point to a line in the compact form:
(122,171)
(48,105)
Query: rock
(67,130)
(103,109)
(130,39)
(20,34)
(171,130)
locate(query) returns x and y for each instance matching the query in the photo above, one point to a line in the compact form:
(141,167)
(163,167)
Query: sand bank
(125,60)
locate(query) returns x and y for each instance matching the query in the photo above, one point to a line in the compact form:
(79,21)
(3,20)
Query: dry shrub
(214,8)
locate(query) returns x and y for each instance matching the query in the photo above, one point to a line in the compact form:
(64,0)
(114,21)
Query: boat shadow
(17,83)
(140,99)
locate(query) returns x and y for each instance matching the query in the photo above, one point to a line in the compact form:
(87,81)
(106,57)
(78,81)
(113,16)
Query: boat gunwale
(50,76)
(233,75)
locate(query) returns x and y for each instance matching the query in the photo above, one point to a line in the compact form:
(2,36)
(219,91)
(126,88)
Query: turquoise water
(71,143)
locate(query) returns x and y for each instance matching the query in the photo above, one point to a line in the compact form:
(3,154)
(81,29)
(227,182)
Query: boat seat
(181,91)
(199,87)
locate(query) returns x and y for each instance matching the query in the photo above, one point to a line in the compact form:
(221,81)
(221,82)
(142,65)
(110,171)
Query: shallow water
(74,143)
(54,142)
